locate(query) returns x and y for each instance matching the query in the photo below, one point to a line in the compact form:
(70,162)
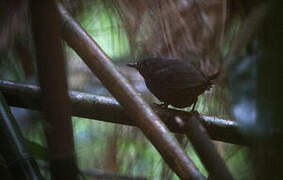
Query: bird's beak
(133,65)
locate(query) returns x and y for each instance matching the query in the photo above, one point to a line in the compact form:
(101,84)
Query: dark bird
(173,81)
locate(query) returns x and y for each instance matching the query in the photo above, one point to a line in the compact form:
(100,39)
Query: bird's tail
(213,76)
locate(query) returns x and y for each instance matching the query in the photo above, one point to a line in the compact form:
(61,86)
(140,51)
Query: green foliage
(36,150)
(135,154)
(236,157)
(103,26)
(10,68)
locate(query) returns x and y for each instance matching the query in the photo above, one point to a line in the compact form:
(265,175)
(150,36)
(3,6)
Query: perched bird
(173,81)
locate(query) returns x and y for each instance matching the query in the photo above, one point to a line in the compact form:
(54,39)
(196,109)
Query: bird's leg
(162,105)
(194,105)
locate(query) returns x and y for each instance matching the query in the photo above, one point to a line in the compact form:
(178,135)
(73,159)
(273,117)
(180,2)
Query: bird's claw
(195,112)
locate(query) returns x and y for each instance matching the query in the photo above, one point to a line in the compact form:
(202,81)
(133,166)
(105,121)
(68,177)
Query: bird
(174,81)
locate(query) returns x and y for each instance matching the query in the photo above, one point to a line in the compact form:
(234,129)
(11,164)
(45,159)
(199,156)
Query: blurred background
(239,39)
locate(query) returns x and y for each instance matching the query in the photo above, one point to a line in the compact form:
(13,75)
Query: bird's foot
(162,105)
(194,105)
(195,112)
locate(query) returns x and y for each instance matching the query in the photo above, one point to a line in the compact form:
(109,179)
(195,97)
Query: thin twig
(13,148)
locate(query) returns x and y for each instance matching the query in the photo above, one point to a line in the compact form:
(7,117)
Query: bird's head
(144,66)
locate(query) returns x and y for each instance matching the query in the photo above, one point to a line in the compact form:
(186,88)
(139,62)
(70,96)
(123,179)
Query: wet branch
(109,110)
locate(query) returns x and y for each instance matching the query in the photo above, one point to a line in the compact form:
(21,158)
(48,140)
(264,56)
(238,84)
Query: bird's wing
(178,76)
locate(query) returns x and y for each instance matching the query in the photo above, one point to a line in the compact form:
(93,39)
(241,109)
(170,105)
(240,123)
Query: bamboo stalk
(52,76)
